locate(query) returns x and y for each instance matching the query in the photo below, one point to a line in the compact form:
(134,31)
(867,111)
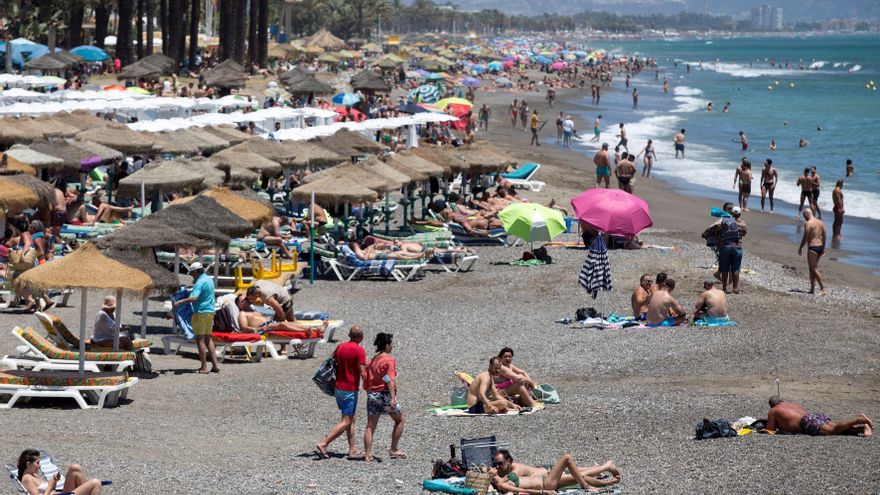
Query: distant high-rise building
(767,18)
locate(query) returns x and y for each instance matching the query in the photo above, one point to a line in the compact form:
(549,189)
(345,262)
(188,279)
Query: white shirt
(568,125)
(105,327)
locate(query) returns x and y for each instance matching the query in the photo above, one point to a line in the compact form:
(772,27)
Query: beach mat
(463,412)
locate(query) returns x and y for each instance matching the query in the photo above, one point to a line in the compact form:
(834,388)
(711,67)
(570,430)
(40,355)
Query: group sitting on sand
(652,302)
(501,388)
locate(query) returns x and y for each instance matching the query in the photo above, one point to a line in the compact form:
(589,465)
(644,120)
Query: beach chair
(48,467)
(522,177)
(58,333)
(101,389)
(454,262)
(494,237)
(347,266)
(40,354)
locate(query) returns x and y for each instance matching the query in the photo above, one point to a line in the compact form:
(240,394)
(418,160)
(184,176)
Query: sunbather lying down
(106,213)
(249,321)
(376,244)
(371,253)
(512,477)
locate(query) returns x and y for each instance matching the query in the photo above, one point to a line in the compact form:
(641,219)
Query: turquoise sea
(779,88)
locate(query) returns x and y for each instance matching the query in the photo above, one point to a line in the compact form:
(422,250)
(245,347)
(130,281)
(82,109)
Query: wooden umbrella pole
(84,300)
(176,278)
(144,317)
(118,320)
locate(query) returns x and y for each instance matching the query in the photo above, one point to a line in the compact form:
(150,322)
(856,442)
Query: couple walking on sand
(379,378)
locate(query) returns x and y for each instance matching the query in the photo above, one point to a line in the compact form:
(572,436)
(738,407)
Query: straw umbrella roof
(369,80)
(313,154)
(369,178)
(377,167)
(325,40)
(15,197)
(45,193)
(11,166)
(293,74)
(164,281)
(250,209)
(190,141)
(160,60)
(51,127)
(247,160)
(173,146)
(149,233)
(443,156)
(140,70)
(349,143)
(204,213)
(33,158)
(313,50)
(485,158)
(218,175)
(211,143)
(121,138)
(80,119)
(163,175)
(48,62)
(371,47)
(413,174)
(71,152)
(22,130)
(226,74)
(280,152)
(306,83)
(419,164)
(228,133)
(335,191)
(328,58)
(86,268)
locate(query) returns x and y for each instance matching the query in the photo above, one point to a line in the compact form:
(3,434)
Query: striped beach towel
(595,274)
(377,267)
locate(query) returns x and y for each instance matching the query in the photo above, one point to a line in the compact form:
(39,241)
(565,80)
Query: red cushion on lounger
(237,337)
(285,334)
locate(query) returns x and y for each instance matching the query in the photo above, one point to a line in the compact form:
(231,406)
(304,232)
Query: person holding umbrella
(202,295)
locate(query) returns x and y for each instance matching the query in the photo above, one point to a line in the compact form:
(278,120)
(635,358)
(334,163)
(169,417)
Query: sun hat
(109,302)
(196,266)
(735,210)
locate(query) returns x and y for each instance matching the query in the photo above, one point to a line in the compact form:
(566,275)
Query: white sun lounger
(30,356)
(100,395)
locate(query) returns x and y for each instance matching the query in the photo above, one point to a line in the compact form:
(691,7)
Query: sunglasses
(498,463)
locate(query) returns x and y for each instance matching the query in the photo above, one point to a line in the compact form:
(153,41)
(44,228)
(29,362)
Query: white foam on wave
(738,70)
(686,91)
(818,64)
(855,68)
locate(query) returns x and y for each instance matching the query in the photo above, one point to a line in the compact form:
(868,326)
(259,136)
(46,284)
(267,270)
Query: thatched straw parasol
(247,160)
(140,70)
(375,166)
(227,133)
(218,175)
(293,75)
(313,154)
(80,119)
(212,143)
(85,268)
(441,155)
(226,74)
(325,40)
(121,138)
(190,142)
(48,62)
(164,282)
(369,81)
(71,152)
(149,233)
(22,130)
(44,192)
(306,84)
(33,158)
(161,61)
(15,197)
(358,174)
(163,175)
(54,128)
(348,143)
(204,213)
(417,163)
(413,174)
(240,204)
(485,158)
(11,166)
(280,152)
(333,191)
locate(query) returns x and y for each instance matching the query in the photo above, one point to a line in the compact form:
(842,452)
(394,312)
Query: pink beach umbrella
(558,65)
(612,211)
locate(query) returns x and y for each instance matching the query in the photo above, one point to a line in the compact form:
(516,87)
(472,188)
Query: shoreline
(671,208)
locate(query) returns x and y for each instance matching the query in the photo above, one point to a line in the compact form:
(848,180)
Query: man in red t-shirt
(351,361)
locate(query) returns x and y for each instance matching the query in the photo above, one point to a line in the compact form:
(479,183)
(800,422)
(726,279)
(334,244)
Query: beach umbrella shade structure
(276,93)
(15,197)
(11,166)
(372,48)
(149,233)
(50,62)
(325,40)
(309,154)
(23,155)
(443,156)
(495,66)
(215,176)
(612,211)
(595,274)
(282,152)
(52,128)
(558,65)
(190,141)
(306,83)
(85,268)
(335,191)
(484,158)
(228,133)
(19,131)
(348,143)
(532,222)
(362,176)
(72,152)
(412,108)
(90,53)
(368,80)
(161,176)
(45,192)
(419,164)
(226,74)
(504,82)
(426,93)
(247,160)
(205,218)
(79,119)
(429,107)
(141,70)
(434,77)
(160,60)
(123,139)
(242,204)
(328,58)
(346,99)
(471,82)
(445,102)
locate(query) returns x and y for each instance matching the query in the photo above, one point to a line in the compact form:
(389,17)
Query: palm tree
(124,45)
(102,16)
(194,33)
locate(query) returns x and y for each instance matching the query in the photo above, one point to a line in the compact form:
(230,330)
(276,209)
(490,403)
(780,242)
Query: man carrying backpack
(729,231)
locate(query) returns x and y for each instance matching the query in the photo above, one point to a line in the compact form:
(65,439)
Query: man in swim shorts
(603,166)
(482,395)
(743,141)
(597,129)
(769,177)
(622,143)
(663,309)
(679,143)
(837,198)
(711,305)
(792,418)
(625,171)
(814,238)
(641,296)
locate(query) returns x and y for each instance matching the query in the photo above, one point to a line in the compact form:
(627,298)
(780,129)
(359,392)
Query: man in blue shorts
(351,362)
(202,299)
(603,166)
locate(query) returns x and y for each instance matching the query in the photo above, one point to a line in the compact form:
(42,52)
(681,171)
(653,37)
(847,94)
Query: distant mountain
(793,10)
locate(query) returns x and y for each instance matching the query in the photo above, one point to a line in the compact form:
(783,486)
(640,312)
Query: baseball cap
(196,266)
(736,210)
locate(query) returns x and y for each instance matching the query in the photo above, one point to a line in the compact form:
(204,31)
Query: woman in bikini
(32,480)
(650,156)
(545,484)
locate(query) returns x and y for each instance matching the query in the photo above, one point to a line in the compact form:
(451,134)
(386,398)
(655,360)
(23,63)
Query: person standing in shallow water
(837,197)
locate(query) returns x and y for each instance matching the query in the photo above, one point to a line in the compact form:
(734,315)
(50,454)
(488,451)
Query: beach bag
(458,396)
(729,232)
(720,428)
(22,262)
(325,376)
(223,320)
(478,480)
(584,313)
(541,254)
(453,468)
(546,393)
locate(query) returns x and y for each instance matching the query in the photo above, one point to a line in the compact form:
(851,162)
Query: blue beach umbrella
(542,59)
(346,99)
(90,53)
(495,66)
(425,93)
(434,77)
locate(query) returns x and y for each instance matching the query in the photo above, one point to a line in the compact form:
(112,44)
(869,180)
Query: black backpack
(720,428)
(452,468)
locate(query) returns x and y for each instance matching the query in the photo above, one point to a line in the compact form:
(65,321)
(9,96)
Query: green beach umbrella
(532,222)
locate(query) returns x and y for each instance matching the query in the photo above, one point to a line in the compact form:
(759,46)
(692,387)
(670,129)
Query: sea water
(821,89)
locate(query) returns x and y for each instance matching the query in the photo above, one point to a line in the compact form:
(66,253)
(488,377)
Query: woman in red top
(381,387)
